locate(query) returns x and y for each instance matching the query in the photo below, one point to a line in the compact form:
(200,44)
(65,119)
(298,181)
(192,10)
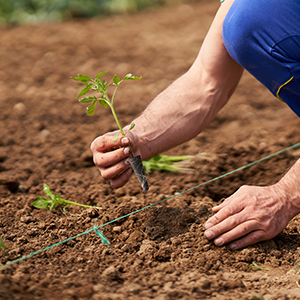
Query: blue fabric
(263,36)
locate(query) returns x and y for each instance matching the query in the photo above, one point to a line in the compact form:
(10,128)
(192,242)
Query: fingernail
(126,162)
(130,171)
(209,234)
(233,246)
(208,225)
(219,242)
(126,150)
(124,141)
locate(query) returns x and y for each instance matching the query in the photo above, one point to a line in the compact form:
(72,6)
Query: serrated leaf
(131,77)
(87,99)
(100,74)
(116,137)
(82,78)
(84,91)
(90,110)
(40,203)
(116,80)
(102,102)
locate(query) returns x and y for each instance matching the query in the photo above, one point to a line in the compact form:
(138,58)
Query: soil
(159,252)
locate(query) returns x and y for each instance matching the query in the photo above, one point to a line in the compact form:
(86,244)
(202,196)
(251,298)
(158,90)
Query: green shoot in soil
(163,162)
(256,267)
(2,246)
(257,298)
(53,200)
(101,86)
(297,270)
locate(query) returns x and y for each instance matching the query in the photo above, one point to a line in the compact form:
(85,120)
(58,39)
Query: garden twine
(105,240)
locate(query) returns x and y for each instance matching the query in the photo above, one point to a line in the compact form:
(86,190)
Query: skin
(179,114)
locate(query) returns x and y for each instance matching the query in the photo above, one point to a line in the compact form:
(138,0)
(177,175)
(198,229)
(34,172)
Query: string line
(95,228)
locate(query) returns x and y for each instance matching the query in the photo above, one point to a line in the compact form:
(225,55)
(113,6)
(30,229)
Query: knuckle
(233,221)
(227,211)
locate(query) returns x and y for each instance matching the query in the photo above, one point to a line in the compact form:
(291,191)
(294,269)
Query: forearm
(186,107)
(177,115)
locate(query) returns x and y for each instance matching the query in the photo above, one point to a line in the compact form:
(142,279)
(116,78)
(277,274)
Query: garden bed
(160,252)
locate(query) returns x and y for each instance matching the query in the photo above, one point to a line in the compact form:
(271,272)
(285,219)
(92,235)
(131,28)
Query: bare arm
(186,107)
(180,112)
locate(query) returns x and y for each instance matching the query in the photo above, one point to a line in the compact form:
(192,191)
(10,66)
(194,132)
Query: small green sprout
(297,270)
(163,162)
(2,246)
(256,267)
(101,86)
(257,298)
(53,200)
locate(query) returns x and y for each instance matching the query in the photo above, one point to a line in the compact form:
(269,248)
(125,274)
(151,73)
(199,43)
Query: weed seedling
(2,246)
(256,267)
(53,200)
(257,298)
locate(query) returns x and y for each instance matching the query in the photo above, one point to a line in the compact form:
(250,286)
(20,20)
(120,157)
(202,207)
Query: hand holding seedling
(101,86)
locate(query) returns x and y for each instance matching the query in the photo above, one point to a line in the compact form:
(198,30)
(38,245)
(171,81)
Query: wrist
(289,191)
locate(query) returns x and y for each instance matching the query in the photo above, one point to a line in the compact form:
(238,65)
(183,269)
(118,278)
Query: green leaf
(116,80)
(87,99)
(131,126)
(41,202)
(103,102)
(116,137)
(48,192)
(82,78)
(90,110)
(131,77)
(85,90)
(100,74)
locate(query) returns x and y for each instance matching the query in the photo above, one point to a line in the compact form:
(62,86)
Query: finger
(223,214)
(115,170)
(106,142)
(224,236)
(121,179)
(104,160)
(226,225)
(225,202)
(250,239)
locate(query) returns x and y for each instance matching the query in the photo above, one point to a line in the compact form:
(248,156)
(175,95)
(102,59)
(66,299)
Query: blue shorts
(263,36)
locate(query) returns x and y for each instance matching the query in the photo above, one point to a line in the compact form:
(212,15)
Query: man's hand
(112,158)
(250,215)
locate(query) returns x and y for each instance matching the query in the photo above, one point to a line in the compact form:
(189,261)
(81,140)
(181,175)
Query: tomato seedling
(53,200)
(101,86)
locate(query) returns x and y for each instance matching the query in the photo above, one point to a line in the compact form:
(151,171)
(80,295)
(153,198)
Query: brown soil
(160,252)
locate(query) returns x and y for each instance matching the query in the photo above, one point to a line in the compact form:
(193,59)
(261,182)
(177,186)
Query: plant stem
(118,123)
(79,204)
